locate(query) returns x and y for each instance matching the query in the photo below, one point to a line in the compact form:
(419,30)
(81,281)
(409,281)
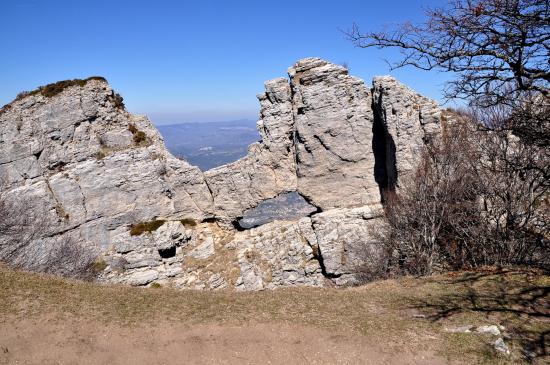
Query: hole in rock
(286,206)
(210,144)
(166,253)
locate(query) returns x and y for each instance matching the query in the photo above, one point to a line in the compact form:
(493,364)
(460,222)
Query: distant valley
(208,145)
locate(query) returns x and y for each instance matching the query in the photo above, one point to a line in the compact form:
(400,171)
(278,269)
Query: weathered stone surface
(346,240)
(143,277)
(79,144)
(409,121)
(334,119)
(97,170)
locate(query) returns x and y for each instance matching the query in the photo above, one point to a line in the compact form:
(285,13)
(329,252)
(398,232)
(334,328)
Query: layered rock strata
(101,173)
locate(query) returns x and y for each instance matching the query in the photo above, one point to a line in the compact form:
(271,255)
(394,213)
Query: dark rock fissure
(237,225)
(383,147)
(319,257)
(209,220)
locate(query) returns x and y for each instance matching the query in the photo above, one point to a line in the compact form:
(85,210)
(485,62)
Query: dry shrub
(27,241)
(478,197)
(142,227)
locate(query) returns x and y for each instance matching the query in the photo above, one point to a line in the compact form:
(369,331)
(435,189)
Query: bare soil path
(76,342)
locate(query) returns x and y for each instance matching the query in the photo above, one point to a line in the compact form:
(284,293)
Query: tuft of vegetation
(99,265)
(100,155)
(132,128)
(155,286)
(188,222)
(118,101)
(139,137)
(142,227)
(55,88)
(4,109)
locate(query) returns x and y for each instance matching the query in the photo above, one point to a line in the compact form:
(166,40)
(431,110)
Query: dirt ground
(76,342)
(49,320)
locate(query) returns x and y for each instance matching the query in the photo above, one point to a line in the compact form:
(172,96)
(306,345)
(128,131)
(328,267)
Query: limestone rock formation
(333,122)
(407,120)
(104,176)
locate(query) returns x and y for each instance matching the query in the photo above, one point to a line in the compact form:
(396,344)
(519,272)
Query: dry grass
(142,227)
(386,311)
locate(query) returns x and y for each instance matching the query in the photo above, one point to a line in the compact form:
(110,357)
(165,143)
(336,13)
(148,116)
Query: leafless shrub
(27,242)
(478,197)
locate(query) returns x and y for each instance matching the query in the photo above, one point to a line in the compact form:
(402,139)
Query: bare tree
(498,49)
(428,205)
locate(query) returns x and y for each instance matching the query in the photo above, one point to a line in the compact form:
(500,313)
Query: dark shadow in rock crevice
(319,257)
(383,147)
(166,253)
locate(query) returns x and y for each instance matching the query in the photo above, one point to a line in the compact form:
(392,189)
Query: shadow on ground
(517,300)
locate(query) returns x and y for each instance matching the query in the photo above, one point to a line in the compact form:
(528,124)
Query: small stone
(462,329)
(489,329)
(501,346)
(142,277)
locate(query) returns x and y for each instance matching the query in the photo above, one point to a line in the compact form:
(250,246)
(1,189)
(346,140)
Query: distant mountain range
(208,145)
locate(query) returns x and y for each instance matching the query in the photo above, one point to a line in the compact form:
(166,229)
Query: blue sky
(206,60)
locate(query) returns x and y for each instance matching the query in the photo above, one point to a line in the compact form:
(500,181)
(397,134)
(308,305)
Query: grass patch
(188,222)
(139,137)
(99,265)
(142,227)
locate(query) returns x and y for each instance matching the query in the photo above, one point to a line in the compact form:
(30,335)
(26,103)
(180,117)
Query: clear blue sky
(200,60)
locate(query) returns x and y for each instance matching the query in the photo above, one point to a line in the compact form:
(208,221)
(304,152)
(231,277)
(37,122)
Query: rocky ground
(451,319)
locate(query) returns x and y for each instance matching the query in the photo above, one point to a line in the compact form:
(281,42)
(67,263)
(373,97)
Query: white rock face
(100,171)
(334,119)
(75,151)
(409,121)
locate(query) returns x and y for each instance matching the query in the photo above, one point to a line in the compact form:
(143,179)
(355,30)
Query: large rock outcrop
(105,177)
